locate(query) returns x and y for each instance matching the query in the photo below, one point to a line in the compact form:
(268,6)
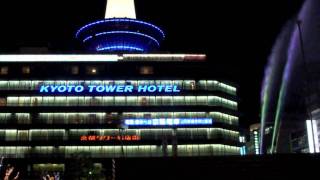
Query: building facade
(44,113)
(129,103)
(253,145)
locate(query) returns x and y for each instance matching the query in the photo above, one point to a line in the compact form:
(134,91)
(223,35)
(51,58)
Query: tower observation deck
(120,31)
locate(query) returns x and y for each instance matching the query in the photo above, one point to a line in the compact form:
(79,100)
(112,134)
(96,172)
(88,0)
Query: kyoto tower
(120,31)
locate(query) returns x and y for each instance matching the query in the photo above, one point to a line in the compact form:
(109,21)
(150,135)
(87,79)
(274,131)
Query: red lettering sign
(110,138)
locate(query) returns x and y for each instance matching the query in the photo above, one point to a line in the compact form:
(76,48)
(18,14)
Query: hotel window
(75,70)
(143,101)
(96,101)
(178,83)
(152,101)
(25,70)
(23,135)
(13,85)
(59,118)
(202,100)
(4,70)
(37,135)
(179,114)
(211,85)
(2,135)
(3,102)
(56,134)
(91,70)
(183,133)
(193,85)
(189,84)
(213,101)
(59,101)
(11,135)
(48,100)
(5,118)
(200,133)
(132,101)
(146,70)
(120,101)
(108,100)
(178,100)
(147,115)
(166,100)
(202,84)
(73,101)
(190,100)
(147,134)
(22,101)
(23,118)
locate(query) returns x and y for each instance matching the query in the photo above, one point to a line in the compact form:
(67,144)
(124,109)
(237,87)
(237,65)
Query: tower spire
(120,9)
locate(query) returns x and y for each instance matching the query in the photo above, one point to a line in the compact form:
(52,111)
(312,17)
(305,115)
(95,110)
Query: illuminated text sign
(109,89)
(168,121)
(110,138)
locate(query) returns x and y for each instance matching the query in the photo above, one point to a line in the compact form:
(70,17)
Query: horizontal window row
(103,118)
(209,85)
(15,118)
(120,101)
(120,151)
(142,134)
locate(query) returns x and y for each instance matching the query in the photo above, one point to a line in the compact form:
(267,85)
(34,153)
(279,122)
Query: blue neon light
(243,151)
(168,121)
(109,89)
(119,20)
(87,38)
(121,48)
(124,32)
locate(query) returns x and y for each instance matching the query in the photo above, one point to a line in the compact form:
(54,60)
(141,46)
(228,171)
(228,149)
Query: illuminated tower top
(120,31)
(120,9)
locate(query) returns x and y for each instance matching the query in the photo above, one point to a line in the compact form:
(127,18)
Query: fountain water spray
(272,80)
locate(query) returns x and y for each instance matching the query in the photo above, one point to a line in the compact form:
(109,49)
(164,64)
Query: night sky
(236,35)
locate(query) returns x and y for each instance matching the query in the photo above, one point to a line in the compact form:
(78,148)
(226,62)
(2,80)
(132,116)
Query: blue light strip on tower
(168,121)
(119,20)
(124,32)
(87,38)
(114,48)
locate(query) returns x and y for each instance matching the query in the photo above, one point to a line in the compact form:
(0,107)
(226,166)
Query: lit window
(146,70)
(193,85)
(26,70)
(3,102)
(4,70)
(92,70)
(74,70)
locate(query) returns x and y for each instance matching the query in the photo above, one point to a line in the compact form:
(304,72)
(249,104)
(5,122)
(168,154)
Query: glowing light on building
(168,121)
(120,31)
(120,9)
(110,138)
(243,150)
(109,89)
(313,137)
(120,48)
(59,58)
(256,142)
(102,57)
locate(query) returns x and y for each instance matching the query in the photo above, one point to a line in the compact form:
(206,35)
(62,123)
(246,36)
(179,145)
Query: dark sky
(236,35)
